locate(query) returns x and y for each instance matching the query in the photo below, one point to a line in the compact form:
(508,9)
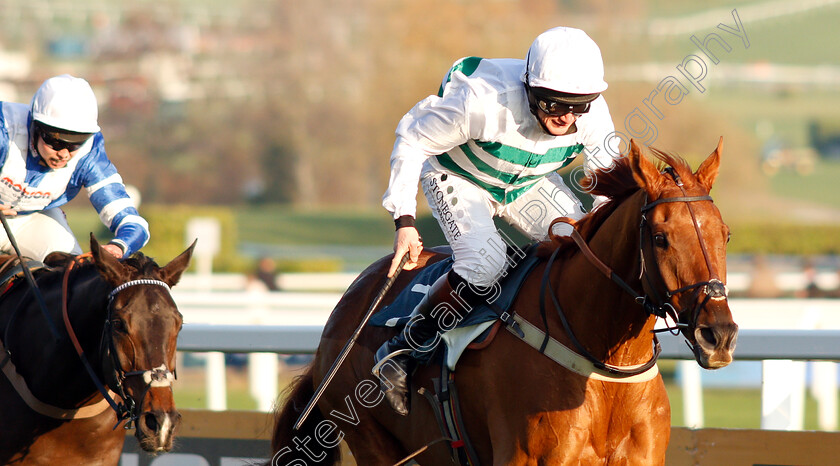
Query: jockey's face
(556,125)
(55,158)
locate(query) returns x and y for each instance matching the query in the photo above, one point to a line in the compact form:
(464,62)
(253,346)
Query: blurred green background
(278,117)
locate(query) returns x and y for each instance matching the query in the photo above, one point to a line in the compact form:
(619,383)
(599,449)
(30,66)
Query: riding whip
(349,345)
(28,274)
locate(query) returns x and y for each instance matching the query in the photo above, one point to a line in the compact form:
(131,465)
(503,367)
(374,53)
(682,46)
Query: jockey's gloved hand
(406,239)
(8,211)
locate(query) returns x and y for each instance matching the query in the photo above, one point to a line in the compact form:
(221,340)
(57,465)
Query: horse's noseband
(716,290)
(158,377)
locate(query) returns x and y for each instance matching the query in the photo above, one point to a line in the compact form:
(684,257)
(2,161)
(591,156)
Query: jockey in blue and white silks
(49,152)
(488,145)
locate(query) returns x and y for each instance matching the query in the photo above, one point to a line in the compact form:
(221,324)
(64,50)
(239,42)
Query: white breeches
(465,213)
(39,234)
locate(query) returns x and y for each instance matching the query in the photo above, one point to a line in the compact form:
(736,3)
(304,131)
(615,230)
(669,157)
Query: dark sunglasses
(558,109)
(58,144)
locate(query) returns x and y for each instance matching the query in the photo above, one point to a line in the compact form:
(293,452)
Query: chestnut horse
(116,318)
(661,240)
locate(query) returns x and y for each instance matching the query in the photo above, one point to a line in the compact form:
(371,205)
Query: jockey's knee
(482,262)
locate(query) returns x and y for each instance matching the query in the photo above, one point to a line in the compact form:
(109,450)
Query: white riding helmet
(565,60)
(66,103)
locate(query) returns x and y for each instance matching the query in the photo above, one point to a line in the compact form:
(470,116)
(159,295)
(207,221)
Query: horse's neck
(614,323)
(57,359)
(616,242)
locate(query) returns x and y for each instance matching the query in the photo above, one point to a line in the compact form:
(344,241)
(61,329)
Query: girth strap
(18,382)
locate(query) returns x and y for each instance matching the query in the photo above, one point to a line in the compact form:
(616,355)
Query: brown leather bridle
(127,410)
(713,288)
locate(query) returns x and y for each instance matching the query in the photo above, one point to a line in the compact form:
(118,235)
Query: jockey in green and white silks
(488,145)
(51,150)
(479,135)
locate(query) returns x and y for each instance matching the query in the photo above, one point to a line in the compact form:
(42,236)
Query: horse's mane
(617,183)
(143,264)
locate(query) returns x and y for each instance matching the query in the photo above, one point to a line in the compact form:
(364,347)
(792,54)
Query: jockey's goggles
(553,108)
(62,140)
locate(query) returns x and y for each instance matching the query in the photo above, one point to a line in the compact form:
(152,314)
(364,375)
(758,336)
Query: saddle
(476,329)
(11,268)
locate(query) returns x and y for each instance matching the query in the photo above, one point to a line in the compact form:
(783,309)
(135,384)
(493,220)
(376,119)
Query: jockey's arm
(108,196)
(434,126)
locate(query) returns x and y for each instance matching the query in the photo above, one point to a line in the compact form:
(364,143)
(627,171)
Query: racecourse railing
(780,333)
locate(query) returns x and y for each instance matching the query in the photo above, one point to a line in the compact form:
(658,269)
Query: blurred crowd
(809,278)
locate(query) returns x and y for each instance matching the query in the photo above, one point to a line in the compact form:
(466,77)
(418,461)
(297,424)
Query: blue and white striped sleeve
(107,193)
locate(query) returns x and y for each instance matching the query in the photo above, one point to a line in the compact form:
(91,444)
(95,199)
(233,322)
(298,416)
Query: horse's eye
(728,237)
(660,240)
(118,325)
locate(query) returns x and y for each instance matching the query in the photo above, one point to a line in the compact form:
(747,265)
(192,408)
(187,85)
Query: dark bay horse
(659,236)
(121,317)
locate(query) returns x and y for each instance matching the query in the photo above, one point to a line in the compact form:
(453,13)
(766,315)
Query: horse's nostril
(151,422)
(709,335)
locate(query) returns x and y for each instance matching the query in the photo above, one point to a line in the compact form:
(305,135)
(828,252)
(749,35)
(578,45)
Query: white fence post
(782,394)
(824,390)
(216,382)
(692,389)
(263,372)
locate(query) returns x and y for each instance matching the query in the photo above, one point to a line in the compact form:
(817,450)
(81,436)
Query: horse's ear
(708,171)
(110,268)
(644,171)
(171,272)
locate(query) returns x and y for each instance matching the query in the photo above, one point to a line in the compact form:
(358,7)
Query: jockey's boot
(394,363)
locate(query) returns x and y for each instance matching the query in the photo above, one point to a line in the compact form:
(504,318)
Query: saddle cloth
(470,327)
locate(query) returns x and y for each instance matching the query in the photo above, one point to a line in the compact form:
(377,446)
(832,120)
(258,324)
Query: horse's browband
(142,281)
(655,203)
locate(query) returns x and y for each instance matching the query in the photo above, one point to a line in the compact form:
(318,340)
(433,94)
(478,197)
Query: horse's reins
(156,377)
(546,284)
(713,288)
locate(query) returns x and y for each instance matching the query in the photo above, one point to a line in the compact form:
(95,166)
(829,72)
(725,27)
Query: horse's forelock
(679,164)
(143,264)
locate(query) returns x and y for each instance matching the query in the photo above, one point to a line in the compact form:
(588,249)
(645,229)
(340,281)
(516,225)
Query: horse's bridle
(713,288)
(157,377)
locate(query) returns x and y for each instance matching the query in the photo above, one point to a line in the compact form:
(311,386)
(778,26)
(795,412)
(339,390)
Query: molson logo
(22,191)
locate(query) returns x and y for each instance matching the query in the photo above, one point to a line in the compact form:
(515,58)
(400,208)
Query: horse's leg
(646,441)
(511,425)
